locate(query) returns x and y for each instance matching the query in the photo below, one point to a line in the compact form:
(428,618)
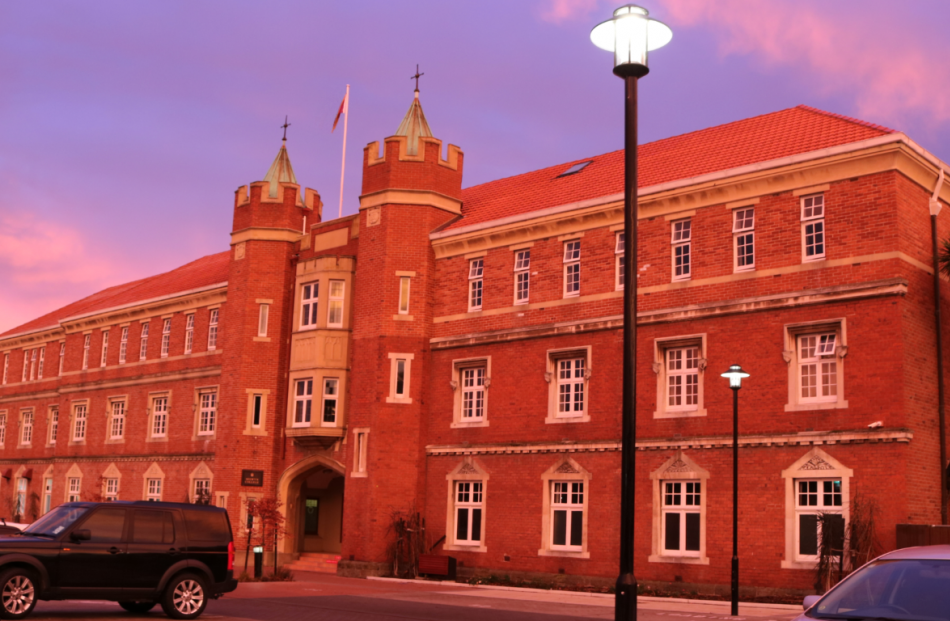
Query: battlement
(254,207)
(397,168)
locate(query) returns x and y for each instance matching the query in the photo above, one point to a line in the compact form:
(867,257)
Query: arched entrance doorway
(312,494)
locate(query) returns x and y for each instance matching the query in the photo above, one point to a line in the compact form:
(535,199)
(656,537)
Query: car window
(105,525)
(56,521)
(153,527)
(911,590)
(207,525)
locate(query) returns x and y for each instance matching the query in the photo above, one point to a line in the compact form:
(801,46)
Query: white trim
(402,397)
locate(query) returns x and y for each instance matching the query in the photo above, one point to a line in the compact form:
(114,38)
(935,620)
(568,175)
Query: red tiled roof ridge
(849,119)
(211,268)
(767,137)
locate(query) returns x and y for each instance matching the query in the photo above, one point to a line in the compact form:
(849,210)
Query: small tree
(268,522)
(408,542)
(844,548)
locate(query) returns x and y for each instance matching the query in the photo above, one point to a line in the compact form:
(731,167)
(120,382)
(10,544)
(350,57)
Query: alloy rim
(18,595)
(187,597)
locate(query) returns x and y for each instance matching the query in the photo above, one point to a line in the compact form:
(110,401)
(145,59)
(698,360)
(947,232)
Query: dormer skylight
(573,170)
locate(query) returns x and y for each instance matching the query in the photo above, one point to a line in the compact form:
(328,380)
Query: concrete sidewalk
(705,607)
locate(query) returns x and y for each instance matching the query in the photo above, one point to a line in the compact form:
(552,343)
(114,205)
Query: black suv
(135,553)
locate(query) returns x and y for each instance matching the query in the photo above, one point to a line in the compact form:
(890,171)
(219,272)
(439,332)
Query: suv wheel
(185,597)
(17,593)
(137,607)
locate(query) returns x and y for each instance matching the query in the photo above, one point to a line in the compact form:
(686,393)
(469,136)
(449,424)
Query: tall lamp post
(630,34)
(735,375)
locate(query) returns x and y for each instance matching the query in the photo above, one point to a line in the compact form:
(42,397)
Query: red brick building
(456,352)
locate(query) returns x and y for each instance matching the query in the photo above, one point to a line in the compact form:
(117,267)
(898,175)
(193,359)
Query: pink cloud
(559,11)
(891,72)
(45,265)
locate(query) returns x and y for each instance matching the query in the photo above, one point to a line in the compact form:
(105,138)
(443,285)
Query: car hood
(23,541)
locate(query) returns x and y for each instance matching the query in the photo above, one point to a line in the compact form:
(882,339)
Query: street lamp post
(735,375)
(630,34)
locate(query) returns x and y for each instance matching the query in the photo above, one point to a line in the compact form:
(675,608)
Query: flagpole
(346,118)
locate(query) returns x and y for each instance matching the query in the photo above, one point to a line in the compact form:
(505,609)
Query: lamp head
(630,34)
(735,375)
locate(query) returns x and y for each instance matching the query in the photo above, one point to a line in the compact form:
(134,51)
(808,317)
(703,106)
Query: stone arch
(289,487)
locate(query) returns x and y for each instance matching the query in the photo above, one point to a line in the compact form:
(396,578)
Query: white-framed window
(159,427)
(522,276)
(3,427)
(743,239)
(189,333)
(124,345)
(817,368)
(213,329)
(73,485)
(331,397)
(681,242)
(62,356)
(6,367)
(309,298)
(32,365)
(26,364)
(469,499)
(42,362)
(360,452)
(47,494)
(104,354)
(476,271)
(143,342)
(303,402)
(117,420)
(680,363)
(816,484)
(681,518)
(814,497)
(682,378)
(404,283)
(679,512)
(572,268)
(471,378)
(473,393)
(571,386)
(153,490)
(568,375)
(80,411)
(111,489)
(620,247)
(335,304)
(26,428)
(262,318)
(567,515)
(53,425)
(813,227)
(207,410)
(399,372)
(20,508)
(85,352)
(166,337)
(258,411)
(202,490)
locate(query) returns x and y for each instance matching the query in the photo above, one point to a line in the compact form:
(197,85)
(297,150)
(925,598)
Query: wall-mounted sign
(252,478)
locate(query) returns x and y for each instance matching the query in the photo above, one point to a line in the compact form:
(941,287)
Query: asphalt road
(328,598)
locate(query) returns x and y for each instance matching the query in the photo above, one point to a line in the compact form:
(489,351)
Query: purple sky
(126,127)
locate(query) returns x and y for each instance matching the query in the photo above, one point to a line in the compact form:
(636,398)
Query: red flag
(339,113)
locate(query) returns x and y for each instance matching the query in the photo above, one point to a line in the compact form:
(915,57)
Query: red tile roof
(208,270)
(749,141)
